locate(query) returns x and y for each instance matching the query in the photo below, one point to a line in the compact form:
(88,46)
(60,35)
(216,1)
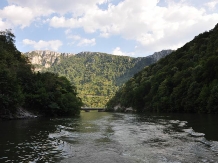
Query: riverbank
(20,113)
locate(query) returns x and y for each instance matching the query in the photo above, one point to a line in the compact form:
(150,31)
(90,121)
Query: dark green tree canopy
(184,81)
(45,93)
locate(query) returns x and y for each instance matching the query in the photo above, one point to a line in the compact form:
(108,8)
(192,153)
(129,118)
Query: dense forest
(184,81)
(44,93)
(98,75)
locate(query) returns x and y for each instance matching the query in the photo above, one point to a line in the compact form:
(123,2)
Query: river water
(100,137)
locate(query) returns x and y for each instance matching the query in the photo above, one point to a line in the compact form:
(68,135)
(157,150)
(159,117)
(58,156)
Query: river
(100,137)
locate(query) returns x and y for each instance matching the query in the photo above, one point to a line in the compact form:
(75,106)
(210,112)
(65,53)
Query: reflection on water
(107,137)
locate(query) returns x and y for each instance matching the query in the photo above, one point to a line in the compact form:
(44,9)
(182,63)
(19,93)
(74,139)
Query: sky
(135,28)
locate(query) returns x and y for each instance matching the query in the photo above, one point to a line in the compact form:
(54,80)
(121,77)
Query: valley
(96,75)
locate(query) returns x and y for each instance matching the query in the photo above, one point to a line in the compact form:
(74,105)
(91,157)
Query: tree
(46,93)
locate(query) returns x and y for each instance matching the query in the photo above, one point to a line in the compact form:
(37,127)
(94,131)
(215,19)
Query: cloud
(74,37)
(79,40)
(68,31)
(41,45)
(16,15)
(86,42)
(77,7)
(212,4)
(117,51)
(3,25)
(152,26)
(22,16)
(63,22)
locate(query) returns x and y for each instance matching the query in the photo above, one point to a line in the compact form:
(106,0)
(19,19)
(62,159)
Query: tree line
(184,81)
(44,93)
(98,75)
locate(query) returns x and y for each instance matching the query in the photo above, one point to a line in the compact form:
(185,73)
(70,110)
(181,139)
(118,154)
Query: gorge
(96,75)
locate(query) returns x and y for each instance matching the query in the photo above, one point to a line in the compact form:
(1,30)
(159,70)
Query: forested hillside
(44,93)
(43,59)
(98,75)
(184,81)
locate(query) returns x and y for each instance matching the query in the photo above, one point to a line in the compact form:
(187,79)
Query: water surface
(101,137)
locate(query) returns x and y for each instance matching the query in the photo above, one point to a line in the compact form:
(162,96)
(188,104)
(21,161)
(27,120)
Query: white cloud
(16,15)
(77,7)
(41,44)
(152,26)
(79,40)
(117,51)
(3,25)
(86,42)
(74,37)
(68,31)
(63,22)
(212,4)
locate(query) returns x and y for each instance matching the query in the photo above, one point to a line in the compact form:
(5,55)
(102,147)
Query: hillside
(96,75)
(20,87)
(45,59)
(184,81)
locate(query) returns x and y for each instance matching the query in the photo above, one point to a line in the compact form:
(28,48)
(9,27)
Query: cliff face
(44,58)
(96,75)
(154,57)
(158,55)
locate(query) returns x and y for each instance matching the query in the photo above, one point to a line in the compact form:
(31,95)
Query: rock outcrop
(20,113)
(44,58)
(158,55)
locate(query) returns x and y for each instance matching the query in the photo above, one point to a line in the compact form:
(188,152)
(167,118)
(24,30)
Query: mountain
(20,87)
(45,59)
(140,63)
(97,76)
(184,81)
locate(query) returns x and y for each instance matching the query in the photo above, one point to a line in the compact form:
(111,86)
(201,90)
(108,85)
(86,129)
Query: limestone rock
(45,58)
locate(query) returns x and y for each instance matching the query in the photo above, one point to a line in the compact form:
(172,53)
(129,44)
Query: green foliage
(184,81)
(98,75)
(10,92)
(46,93)
(52,95)
(10,60)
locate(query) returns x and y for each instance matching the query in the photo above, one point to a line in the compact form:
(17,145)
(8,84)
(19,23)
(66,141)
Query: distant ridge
(158,55)
(43,59)
(184,81)
(96,75)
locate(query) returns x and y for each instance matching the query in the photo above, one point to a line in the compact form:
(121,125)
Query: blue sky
(120,27)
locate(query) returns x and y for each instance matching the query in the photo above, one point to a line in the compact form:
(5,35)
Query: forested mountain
(184,81)
(42,59)
(44,93)
(96,75)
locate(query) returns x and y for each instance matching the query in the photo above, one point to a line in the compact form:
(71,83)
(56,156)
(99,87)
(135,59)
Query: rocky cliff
(158,55)
(43,59)
(96,75)
(154,57)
